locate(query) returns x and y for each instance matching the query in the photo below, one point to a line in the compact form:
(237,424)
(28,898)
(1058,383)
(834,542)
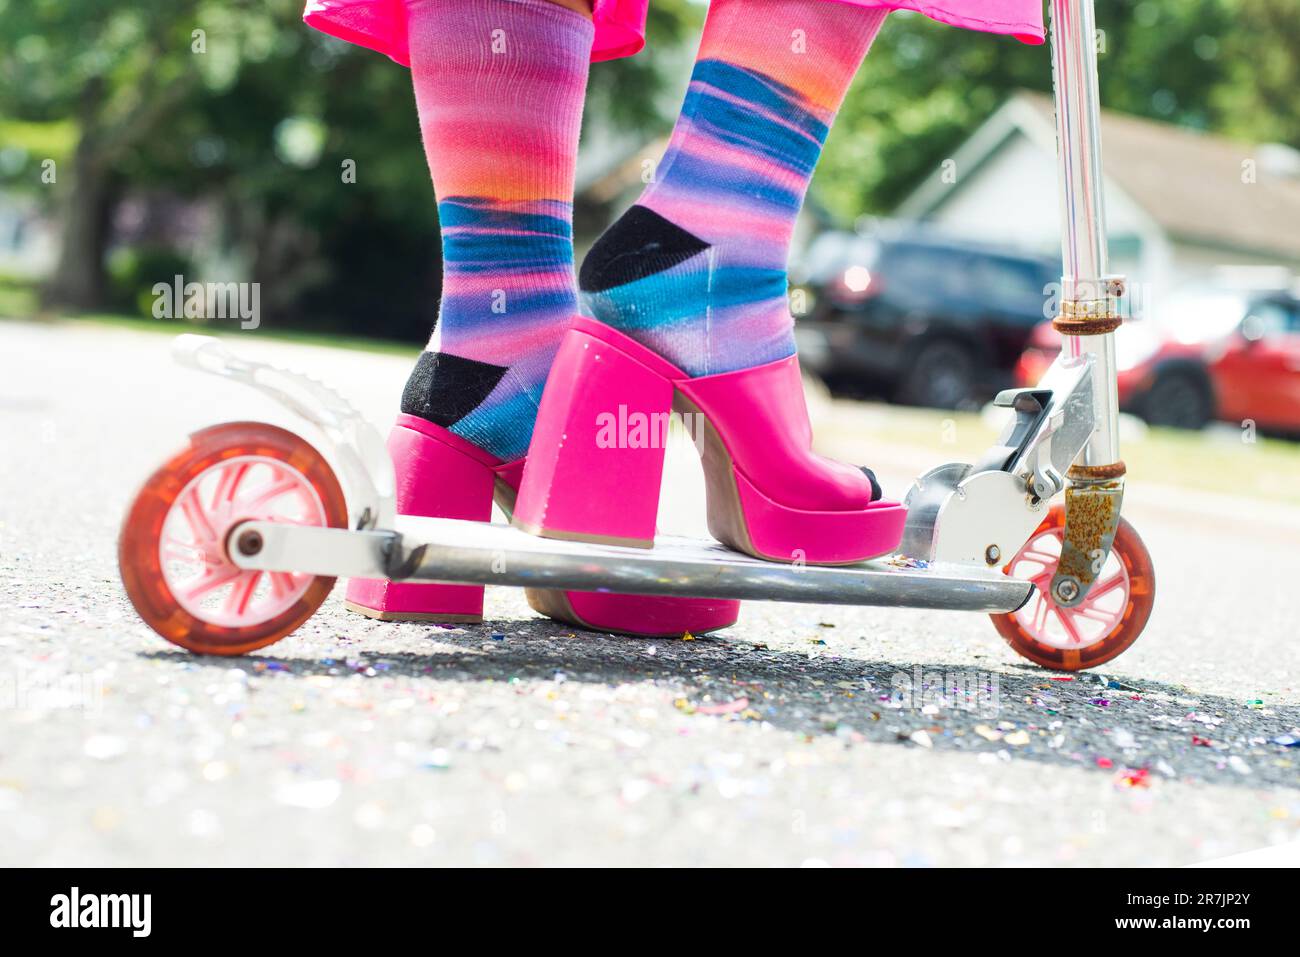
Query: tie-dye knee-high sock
(697,268)
(499,85)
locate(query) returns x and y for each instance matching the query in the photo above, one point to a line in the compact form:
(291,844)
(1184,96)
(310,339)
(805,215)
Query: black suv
(920,318)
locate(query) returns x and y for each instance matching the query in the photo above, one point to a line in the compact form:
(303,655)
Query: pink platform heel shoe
(594,464)
(440,474)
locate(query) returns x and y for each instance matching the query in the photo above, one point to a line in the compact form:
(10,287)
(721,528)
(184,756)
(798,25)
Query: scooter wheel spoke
(282,583)
(179,551)
(197,516)
(228,485)
(1117,580)
(242,593)
(210,581)
(1042,558)
(264,497)
(1043,579)
(1095,614)
(1067,622)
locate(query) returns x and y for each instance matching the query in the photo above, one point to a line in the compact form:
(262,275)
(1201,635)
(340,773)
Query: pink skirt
(620,24)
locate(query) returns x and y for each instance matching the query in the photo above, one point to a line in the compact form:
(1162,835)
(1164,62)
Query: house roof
(1189,183)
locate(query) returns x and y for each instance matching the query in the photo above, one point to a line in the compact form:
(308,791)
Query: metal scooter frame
(964,522)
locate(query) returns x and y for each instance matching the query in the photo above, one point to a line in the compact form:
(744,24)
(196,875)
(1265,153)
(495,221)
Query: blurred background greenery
(133,148)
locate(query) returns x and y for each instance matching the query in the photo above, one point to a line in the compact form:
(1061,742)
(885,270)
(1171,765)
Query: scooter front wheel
(172,552)
(1099,628)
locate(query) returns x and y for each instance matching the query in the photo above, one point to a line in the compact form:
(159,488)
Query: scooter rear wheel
(172,551)
(1100,627)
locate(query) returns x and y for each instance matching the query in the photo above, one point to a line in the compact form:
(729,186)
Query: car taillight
(856,284)
(1032,366)
(1046,338)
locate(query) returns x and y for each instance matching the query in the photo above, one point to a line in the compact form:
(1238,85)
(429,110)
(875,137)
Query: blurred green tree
(121,72)
(308,146)
(1262,101)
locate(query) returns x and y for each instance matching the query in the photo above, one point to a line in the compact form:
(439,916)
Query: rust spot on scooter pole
(1086,325)
(1095,473)
(1092,508)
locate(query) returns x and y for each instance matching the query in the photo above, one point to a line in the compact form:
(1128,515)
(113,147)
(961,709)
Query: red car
(1204,355)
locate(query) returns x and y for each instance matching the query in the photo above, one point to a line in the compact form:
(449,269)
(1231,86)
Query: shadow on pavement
(1134,732)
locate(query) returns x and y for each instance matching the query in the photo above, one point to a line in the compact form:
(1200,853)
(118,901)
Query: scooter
(236,540)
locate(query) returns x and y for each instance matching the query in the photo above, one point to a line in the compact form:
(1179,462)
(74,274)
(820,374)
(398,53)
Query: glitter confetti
(1134,778)
(728,707)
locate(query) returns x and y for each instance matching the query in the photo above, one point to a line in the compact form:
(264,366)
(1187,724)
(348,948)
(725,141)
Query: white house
(1180,205)
(28,238)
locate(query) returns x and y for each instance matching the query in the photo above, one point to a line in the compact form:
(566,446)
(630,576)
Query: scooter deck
(457,551)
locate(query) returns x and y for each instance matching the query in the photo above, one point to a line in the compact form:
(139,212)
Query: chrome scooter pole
(1089,313)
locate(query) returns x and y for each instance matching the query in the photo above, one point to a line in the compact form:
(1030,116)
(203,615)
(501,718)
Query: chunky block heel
(597,457)
(597,454)
(439,475)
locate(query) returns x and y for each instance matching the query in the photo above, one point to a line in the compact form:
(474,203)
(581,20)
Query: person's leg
(696,270)
(499,85)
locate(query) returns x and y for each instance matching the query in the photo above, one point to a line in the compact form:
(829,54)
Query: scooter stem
(1089,313)
(1089,310)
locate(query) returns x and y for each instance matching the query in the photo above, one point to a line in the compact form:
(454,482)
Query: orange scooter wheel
(172,551)
(1100,627)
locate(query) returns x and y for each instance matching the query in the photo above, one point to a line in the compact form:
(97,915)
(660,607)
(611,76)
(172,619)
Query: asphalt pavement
(803,735)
